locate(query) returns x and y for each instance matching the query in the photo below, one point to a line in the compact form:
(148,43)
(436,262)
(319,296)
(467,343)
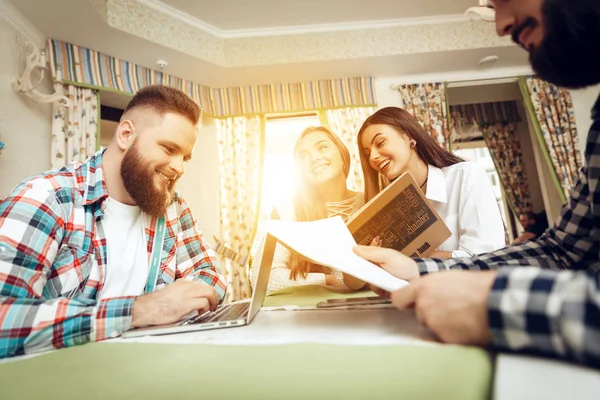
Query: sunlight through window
(278,173)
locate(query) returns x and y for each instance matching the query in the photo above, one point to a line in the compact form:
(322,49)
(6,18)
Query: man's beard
(566,56)
(138,178)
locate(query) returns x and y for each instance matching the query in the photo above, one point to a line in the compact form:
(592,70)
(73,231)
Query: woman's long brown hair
(308,204)
(426,147)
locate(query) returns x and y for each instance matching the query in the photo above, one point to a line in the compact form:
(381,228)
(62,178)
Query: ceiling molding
(17,21)
(183,17)
(141,18)
(298,29)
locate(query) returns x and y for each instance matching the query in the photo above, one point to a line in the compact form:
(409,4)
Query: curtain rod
(480,82)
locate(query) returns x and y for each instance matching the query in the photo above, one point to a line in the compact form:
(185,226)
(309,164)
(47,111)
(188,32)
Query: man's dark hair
(165,99)
(530,215)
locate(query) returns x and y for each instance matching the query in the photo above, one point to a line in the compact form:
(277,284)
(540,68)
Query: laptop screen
(263,263)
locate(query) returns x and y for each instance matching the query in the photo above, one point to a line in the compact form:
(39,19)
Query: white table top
(528,378)
(516,377)
(343,327)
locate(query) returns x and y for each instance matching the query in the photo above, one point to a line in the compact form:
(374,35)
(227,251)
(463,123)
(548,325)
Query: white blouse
(463,196)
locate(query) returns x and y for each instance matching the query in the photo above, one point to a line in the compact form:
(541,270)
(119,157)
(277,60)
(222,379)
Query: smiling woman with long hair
(322,165)
(391,142)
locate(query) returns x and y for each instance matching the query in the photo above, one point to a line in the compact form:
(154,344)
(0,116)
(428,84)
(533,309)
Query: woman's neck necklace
(342,208)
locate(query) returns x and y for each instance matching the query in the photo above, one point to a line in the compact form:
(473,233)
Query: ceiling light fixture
(488,60)
(483,11)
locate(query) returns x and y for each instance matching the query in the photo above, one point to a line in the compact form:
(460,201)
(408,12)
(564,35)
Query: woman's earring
(413,143)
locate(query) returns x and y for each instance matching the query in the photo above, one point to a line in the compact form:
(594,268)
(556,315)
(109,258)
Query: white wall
(107,131)
(200,182)
(583,101)
(25,126)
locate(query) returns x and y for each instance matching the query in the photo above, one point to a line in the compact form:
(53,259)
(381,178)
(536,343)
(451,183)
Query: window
(281,135)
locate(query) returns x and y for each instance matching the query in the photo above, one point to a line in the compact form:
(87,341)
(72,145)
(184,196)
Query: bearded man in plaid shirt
(77,245)
(542,296)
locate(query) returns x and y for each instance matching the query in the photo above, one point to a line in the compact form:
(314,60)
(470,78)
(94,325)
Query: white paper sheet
(328,242)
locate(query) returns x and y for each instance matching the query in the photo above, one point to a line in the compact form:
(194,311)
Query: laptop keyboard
(226,312)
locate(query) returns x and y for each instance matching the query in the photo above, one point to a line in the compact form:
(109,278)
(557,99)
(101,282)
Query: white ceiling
(76,21)
(255,14)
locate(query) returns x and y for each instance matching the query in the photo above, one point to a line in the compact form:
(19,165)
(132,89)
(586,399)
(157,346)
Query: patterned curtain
(427,102)
(553,111)
(503,142)
(240,158)
(345,122)
(75,125)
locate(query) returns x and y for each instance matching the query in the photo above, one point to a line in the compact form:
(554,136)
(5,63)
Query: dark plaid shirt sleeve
(567,245)
(546,297)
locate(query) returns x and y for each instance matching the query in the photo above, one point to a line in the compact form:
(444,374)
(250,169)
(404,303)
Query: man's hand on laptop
(392,261)
(173,302)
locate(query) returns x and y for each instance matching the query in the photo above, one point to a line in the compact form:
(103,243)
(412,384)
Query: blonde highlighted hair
(308,204)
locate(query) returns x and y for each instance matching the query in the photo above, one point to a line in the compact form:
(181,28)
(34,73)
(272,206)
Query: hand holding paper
(328,242)
(391,260)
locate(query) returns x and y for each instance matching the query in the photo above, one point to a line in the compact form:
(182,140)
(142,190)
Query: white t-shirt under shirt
(127,263)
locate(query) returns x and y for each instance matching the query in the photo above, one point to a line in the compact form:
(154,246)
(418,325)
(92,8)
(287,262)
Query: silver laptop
(227,315)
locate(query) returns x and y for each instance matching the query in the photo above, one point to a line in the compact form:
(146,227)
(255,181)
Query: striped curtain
(345,122)
(503,143)
(553,114)
(427,102)
(83,66)
(75,125)
(240,150)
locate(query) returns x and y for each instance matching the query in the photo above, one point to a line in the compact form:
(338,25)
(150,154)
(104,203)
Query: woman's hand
(392,261)
(377,242)
(439,254)
(353,283)
(332,281)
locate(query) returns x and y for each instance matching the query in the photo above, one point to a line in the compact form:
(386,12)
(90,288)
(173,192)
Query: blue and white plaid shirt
(53,260)
(546,297)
